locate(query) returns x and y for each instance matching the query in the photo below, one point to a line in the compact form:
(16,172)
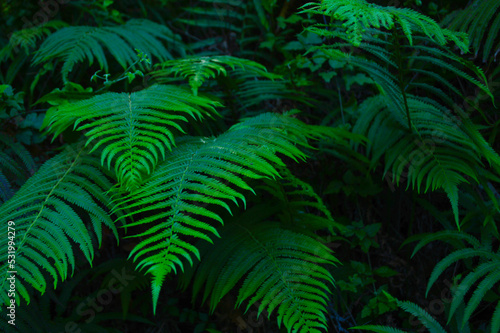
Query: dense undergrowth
(249,166)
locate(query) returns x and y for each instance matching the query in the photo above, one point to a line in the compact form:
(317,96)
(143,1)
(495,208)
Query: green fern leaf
(444,235)
(453,257)
(198,69)
(16,164)
(481,290)
(495,322)
(134,129)
(425,318)
(431,162)
(27,38)
(481,21)
(466,284)
(280,269)
(46,222)
(359,16)
(202,172)
(75,44)
(377,329)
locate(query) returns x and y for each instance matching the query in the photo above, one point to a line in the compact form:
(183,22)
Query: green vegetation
(249,166)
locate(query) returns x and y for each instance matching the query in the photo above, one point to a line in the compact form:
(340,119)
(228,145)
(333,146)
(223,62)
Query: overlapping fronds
(296,205)
(26,39)
(359,15)
(134,129)
(439,153)
(288,252)
(421,138)
(255,90)
(423,316)
(202,172)
(51,213)
(486,271)
(278,268)
(53,311)
(383,66)
(16,165)
(199,69)
(223,14)
(481,21)
(75,44)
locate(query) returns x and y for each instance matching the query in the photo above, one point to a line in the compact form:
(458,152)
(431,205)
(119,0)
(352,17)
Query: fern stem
(399,58)
(47,197)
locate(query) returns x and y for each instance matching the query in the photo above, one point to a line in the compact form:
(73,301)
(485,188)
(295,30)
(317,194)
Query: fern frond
(455,256)
(50,212)
(27,38)
(487,270)
(198,69)
(135,129)
(385,80)
(75,44)
(434,57)
(359,16)
(378,329)
(423,63)
(495,322)
(481,21)
(281,271)
(444,235)
(201,172)
(256,90)
(464,286)
(298,205)
(423,316)
(484,286)
(430,162)
(444,162)
(16,164)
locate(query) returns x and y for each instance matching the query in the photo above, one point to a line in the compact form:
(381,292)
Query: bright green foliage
(223,209)
(279,268)
(201,172)
(379,329)
(135,128)
(261,258)
(359,16)
(49,212)
(75,44)
(254,84)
